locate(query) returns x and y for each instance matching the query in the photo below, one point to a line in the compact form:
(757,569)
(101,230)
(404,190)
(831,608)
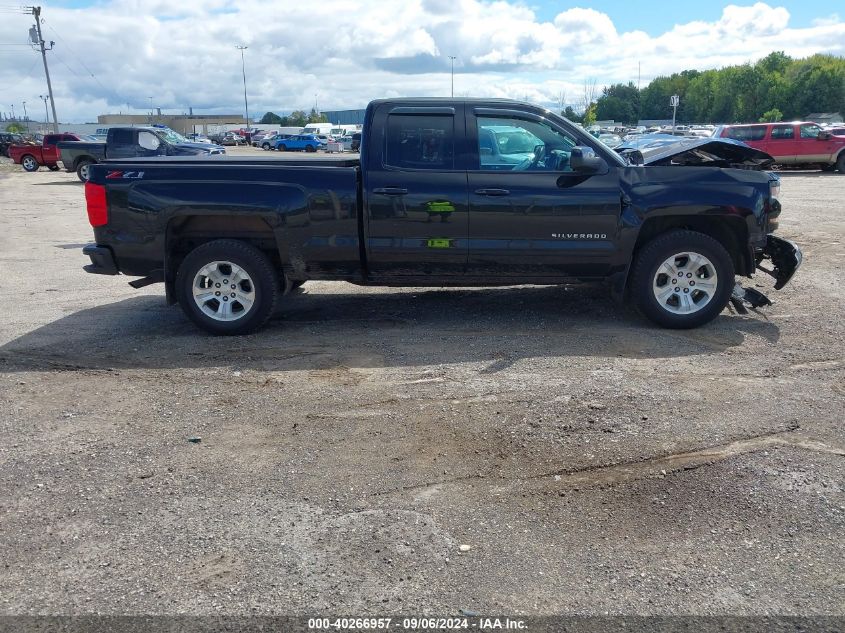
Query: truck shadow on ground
(375,328)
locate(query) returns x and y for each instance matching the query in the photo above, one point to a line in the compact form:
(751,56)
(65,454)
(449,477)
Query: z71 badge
(125,175)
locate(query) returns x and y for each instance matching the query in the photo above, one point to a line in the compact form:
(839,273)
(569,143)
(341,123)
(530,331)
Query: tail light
(95,196)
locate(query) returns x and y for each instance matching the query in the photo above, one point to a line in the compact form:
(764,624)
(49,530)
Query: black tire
(261,273)
(296,284)
(310,148)
(840,163)
(82,169)
(29,163)
(265,147)
(644,276)
(283,148)
(53,167)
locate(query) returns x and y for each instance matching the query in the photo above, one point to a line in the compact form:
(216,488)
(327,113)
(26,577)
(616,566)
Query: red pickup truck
(31,156)
(798,144)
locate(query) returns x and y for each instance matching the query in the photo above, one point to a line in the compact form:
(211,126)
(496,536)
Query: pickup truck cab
(130,142)
(31,156)
(427,205)
(803,144)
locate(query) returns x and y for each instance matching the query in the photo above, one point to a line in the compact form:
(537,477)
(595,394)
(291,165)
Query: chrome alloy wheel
(685,283)
(29,163)
(223,291)
(85,171)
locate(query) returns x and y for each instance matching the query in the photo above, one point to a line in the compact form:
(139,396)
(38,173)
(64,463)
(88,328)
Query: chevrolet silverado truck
(431,203)
(130,142)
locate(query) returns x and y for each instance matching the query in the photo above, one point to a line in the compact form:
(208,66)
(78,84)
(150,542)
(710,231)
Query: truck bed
(308,208)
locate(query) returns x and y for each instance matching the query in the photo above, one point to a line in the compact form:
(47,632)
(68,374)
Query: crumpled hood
(702,152)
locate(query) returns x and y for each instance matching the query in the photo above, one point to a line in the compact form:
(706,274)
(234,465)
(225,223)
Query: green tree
(570,114)
(619,102)
(270,118)
(772,116)
(590,115)
(297,118)
(313,117)
(15,128)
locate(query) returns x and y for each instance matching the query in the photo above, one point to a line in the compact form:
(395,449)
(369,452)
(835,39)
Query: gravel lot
(592,463)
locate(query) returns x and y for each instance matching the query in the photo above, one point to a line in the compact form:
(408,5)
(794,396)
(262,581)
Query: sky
(129,55)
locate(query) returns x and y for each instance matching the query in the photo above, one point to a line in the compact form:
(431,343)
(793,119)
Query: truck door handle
(492,192)
(391,191)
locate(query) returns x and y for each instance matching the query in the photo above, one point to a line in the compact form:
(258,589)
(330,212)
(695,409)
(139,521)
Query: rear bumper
(102,260)
(785,256)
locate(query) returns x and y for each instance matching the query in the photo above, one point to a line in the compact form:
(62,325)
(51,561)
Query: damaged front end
(784,257)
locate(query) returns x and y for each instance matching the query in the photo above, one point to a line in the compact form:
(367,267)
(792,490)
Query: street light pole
(243,73)
(26,117)
(452,61)
(46,114)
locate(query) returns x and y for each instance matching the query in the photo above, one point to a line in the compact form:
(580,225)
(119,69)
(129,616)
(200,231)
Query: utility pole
(151,109)
(243,72)
(452,61)
(37,38)
(26,117)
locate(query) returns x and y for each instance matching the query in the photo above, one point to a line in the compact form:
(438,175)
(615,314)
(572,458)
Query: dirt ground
(591,462)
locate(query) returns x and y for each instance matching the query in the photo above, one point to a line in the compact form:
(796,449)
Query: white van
(317,128)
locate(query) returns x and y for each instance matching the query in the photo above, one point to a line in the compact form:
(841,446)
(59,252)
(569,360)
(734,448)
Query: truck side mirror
(823,136)
(583,160)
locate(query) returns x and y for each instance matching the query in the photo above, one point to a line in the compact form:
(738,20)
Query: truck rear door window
(750,133)
(782,132)
(420,142)
(122,137)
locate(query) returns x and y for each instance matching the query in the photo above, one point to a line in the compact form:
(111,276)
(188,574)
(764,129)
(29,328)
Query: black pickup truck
(446,192)
(130,142)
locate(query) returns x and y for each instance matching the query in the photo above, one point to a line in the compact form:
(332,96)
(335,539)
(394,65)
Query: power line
(90,72)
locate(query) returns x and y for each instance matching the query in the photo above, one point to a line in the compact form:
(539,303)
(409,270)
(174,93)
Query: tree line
(775,88)
(297,118)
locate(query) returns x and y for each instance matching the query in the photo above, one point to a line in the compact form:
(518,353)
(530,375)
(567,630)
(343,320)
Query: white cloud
(347,52)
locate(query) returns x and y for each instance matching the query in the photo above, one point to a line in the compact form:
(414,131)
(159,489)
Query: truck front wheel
(227,287)
(840,163)
(83,170)
(29,163)
(682,279)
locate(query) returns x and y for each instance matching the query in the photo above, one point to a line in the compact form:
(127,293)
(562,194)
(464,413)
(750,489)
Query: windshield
(172,137)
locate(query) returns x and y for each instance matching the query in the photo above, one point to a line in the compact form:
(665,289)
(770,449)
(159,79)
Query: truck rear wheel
(83,169)
(227,287)
(29,163)
(840,163)
(682,279)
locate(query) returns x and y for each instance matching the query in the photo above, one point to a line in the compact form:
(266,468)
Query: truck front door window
(513,144)
(148,141)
